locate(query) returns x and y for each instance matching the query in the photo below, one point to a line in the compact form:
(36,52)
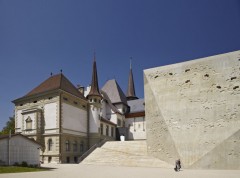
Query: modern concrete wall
(193,112)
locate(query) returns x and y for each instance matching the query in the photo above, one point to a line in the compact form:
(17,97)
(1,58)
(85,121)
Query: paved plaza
(93,171)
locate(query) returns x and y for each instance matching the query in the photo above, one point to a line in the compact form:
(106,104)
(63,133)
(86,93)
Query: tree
(10,125)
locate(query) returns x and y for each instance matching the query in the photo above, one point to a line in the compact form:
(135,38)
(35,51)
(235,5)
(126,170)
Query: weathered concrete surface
(193,112)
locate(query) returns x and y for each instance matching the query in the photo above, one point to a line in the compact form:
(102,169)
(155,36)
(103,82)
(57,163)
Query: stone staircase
(127,153)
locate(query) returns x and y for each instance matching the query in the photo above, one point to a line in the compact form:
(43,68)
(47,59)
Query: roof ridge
(53,83)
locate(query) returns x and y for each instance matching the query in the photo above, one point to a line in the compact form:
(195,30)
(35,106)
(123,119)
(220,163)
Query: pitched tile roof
(137,105)
(14,135)
(105,96)
(55,82)
(114,92)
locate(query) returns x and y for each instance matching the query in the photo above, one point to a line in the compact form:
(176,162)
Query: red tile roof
(55,82)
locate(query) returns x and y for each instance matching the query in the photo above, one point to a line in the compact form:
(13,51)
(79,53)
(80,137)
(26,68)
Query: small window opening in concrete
(206,75)
(235,87)
(187,81)
(66,99)
(187,70)
(232,78)
(219,87)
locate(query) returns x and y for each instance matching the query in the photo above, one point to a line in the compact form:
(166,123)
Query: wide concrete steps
(128,153)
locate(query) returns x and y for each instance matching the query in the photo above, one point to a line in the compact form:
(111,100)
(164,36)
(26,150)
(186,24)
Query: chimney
(80,89)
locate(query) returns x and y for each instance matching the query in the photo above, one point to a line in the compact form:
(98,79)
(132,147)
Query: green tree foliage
(10,125)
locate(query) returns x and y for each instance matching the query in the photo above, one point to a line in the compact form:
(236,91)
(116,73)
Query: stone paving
(95,171)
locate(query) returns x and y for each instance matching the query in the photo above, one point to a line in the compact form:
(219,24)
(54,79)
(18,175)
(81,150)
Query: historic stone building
(193,112)
(68,120)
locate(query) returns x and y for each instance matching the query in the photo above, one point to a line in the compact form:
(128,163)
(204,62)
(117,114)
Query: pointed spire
(94,85)
(131,89)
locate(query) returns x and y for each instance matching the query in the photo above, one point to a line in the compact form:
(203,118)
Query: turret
(94,98)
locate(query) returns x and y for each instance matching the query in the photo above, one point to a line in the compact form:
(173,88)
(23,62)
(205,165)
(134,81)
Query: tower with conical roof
(94,98)
(131,89)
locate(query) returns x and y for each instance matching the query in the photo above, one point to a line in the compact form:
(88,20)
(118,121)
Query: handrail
(90,150)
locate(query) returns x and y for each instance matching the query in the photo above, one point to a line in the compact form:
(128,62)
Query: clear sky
(38,37)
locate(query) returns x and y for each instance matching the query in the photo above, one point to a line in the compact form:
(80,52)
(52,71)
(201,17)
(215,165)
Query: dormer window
(29,123)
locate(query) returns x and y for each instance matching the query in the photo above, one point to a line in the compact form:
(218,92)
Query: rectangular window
(112,131)
(101,129)
(29,123)
(107,130)
(67,143)
(119,123)
(81,147)
(75,146)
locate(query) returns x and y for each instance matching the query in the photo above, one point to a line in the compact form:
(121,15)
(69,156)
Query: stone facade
(193,112)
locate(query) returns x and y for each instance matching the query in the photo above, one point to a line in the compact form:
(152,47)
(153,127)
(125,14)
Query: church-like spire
(131,89)
(94,85)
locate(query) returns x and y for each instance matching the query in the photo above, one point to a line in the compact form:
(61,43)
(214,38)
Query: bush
(16,164)
(24,164)
(33,165)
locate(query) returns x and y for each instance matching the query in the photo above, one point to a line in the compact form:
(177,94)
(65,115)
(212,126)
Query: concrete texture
(127,153)
(193,112)
(93,171)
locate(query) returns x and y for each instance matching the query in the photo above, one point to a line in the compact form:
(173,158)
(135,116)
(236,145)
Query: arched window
(75,146)
(29,123)
(81,146)
(67,145)
(50,144)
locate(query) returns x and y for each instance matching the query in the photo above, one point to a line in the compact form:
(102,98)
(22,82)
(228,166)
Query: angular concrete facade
(193,112)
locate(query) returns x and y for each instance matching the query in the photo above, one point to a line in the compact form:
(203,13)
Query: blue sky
(43,36)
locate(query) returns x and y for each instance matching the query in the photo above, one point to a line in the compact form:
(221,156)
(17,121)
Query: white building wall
(19,121)
(94,119)
(137,128)
(21,150)
(73,118)
(50,115)
(108,111)
(113,118)
(104,110)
